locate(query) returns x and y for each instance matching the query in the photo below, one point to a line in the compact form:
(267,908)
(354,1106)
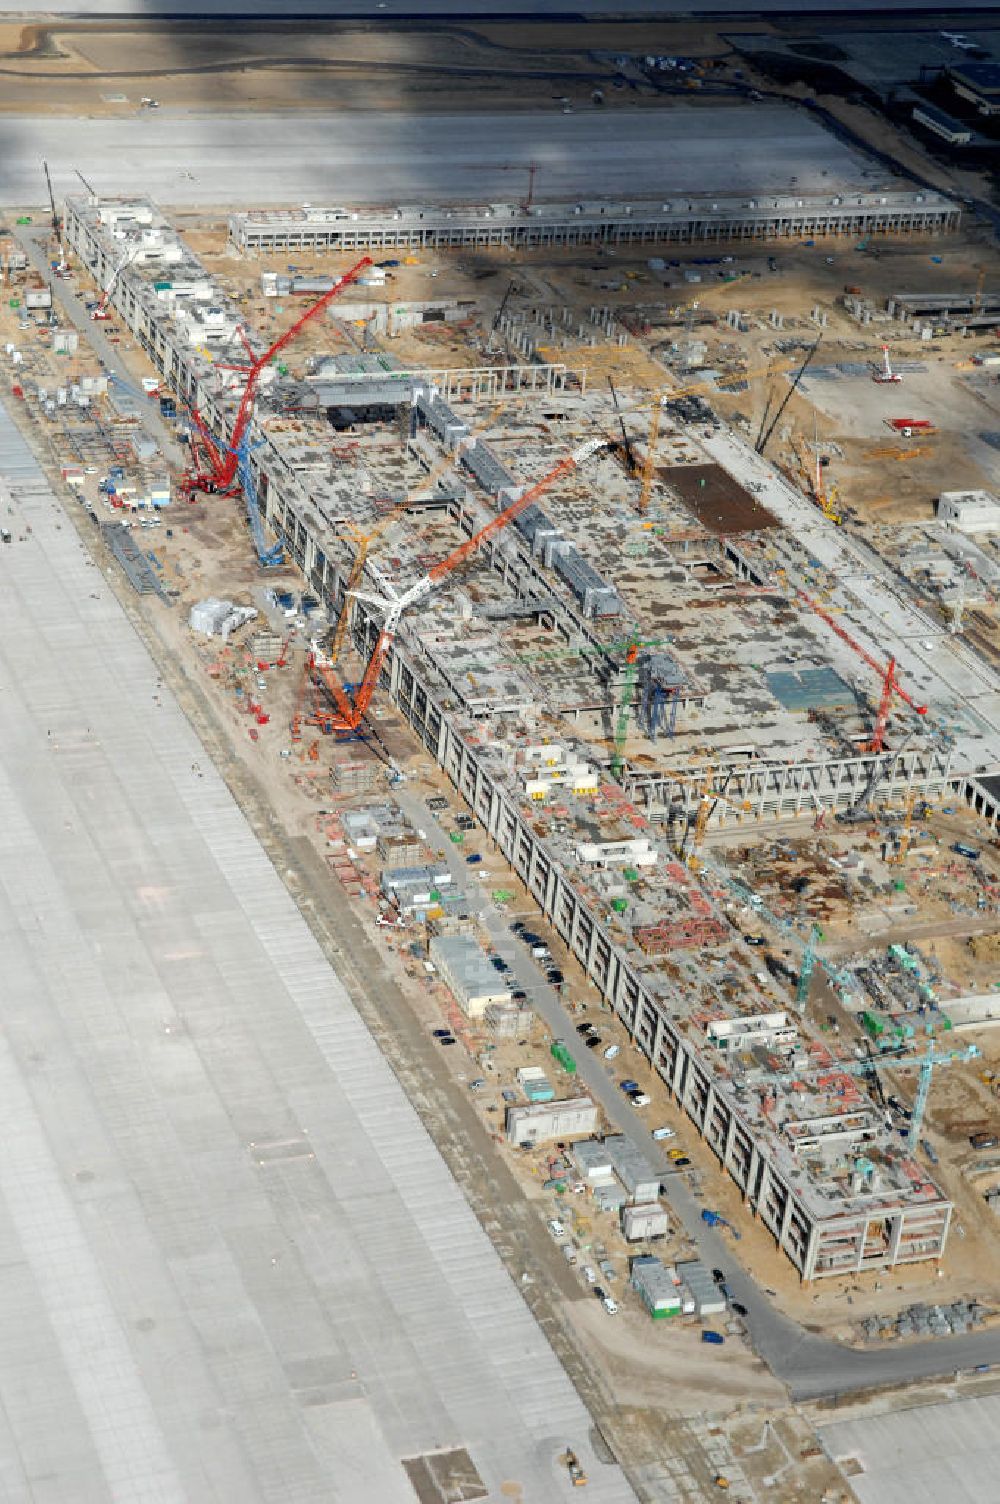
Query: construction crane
(100,310)
(269,555)
(392,605)
(842,980)
(624,705)
(364,542)
(511,289)
(226,460)
(807,967)
(767,429)
(649,463)
(881,669)
(628,452)
(812,473)
(57,232)
(884,707)
(926,1060)
(884,375)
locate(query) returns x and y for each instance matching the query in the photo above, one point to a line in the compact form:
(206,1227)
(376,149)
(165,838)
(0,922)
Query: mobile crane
(393,605)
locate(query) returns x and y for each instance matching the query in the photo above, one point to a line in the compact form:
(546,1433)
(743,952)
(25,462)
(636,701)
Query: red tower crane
(224,459)
(884,706)
(890,684)
(394,604)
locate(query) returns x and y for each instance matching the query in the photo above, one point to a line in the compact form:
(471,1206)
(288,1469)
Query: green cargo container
(631,874)
(562,1055)
(619,905)
(457,837)
(872,1026)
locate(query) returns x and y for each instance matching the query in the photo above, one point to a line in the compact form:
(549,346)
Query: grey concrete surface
(235,1268)
(394,157)
(930,1454)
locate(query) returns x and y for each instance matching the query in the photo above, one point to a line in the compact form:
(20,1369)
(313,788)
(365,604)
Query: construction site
(606,597)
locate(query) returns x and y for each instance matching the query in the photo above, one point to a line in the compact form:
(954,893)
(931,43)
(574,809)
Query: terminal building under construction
(585,686)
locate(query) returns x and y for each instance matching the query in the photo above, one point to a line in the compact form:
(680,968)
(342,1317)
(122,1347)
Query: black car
(601,1294)
(450,1040)
(519,994)
(441,1034)
(584,1028)
(738,1307)
(592,1041)
(517,926)
(554,976)
(718,1276)
(499,963)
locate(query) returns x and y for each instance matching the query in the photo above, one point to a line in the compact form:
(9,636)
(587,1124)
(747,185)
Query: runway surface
(235,1267)
(394,158)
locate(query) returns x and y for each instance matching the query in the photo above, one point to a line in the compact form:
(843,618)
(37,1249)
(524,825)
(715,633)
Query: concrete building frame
(820,1242)
(684,221)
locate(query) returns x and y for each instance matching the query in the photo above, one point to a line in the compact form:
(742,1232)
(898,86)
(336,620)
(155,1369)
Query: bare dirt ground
(68,68)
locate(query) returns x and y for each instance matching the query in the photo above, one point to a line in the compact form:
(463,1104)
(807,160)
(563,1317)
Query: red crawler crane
(394,604)
(890,684)
(224,460)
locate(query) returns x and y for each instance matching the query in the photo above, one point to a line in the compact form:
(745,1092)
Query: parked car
(610,1305)
(738,1307)
(640,1098)
(554,976)
(984,1140)
(592,1041)
(601,1294)
(473,859)
(675,1154)
(628,1085)
(441,1034)
(683,1163)
(714,1337)
(479,1081)
(718,1276)
(928,1149)
(569,1253)
(556,1228)
(589,1274)
(584,1028)
(662,1133)
(611,1051)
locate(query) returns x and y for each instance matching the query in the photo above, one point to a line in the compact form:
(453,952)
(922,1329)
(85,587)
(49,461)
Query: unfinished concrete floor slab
(235,1265)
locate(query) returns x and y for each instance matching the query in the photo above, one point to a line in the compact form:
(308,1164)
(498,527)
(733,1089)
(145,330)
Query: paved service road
(813,1367)
(360,157)
(74,307)
(235,1267)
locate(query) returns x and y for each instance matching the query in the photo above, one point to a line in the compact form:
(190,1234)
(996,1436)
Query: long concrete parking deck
(235,1266)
